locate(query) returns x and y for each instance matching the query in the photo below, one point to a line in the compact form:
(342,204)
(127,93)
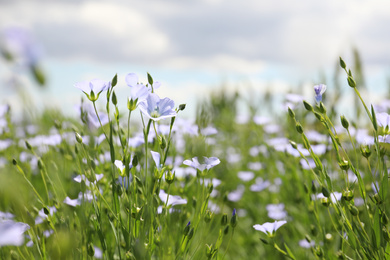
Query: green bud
(114,99)
(90,175)
(319,252)
(348,195)
(377,199)
(190,234)
(162,141)
(208,215)
(135,161)
(14,255)
(306,188)
(169,177)
(182,107)
(353,210)
(40,164)
(187,228)
(264,241)
(291,113)
(374,121)
(307,105)
(28,145)
(342,63)
(46,210)
(224,219)
(384,218)
(325,201)
(340,255)
(209,251)
(233,220)
(114,80)
(313,187)
(79,139)
(308,238)
(294,144)
(14,162)
(313,230)
(365,151)
(299,128)
(344,165)
(83,186)
(226,230)
(325,191)
(322,108)
(351,82)
(344,122)
(318,116)
(91,250)
(150,79)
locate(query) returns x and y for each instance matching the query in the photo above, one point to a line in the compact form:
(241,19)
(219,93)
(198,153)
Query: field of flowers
(307,184)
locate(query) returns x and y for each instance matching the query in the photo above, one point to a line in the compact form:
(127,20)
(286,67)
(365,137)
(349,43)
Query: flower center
(155,113)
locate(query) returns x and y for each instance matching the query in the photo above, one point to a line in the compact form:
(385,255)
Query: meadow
(307,184)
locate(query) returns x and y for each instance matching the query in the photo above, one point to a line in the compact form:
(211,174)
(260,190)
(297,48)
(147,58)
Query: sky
(193,47)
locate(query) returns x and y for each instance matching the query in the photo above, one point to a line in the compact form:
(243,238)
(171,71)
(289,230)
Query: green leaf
(374,122)
(377,229)
(289,252)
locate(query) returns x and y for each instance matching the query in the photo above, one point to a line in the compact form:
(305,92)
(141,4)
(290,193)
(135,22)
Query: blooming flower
(12,232)
(269,228)
(138,92)
(93,88)
(156,109)
(207,164)
(172,200)
(319,89)
(383,119)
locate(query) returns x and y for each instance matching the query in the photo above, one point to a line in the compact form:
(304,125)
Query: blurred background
(191,47)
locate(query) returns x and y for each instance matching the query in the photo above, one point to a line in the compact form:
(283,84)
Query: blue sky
(194,46)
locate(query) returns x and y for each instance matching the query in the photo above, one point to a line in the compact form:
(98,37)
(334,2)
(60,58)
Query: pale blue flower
(12,232)
(207,164)
(276,211)
(172,200)
(319,90)
(156,158)
(269,228)
(383,119)
(156,109)
(93,88)
(138,92)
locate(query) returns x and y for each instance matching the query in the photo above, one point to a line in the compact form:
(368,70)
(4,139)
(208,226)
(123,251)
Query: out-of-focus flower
(236,195)
(304,244)
(269,228)
(319,90)
(156,109)
(207,164)
(260,185)
(12,233)
(245,175)
(276,211)
(383,119)
(172,200)
(80,178)
(42,216)
(93,88)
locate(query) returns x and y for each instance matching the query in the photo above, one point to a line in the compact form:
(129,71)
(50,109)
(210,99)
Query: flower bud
(291,113)
(190,234)
(14,162)
(325,201)
(46,211)
(384,218)
(114,99)
(79,139)
(299,128)
(187,228)
(344,122)
(91,250)
(342,63)
(344,165)
(325,191)
(313,230)
(28,145)
(135,161)
(377,198)
(162,142)
(264,241)
(318,116)
(208,215)
(313,187)
(353,210)
(233,220)
(365,151)
(348,195)
(169,177)
(293,144)
(224,219)
(322,108)
(226,230)
(307,105)
(351,82)
(182,107)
